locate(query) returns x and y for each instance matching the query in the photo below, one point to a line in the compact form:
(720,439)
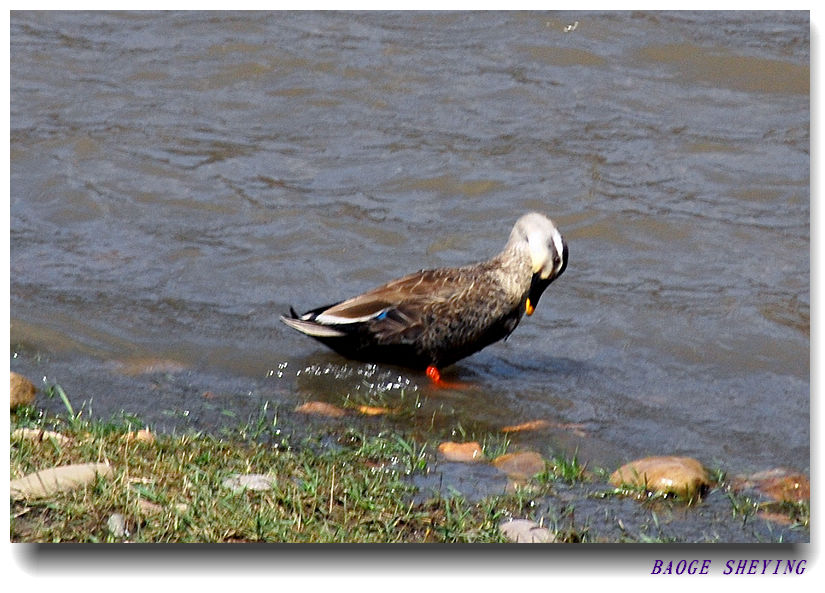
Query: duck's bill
(537,288)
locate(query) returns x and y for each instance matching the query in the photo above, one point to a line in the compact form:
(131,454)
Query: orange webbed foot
(435,376)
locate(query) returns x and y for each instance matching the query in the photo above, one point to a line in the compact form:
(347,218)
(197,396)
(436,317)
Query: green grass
(564,468)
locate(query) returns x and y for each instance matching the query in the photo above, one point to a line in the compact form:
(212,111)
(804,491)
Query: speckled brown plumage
(437,317)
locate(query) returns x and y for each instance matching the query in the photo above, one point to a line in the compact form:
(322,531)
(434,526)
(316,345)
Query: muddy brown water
(178,180)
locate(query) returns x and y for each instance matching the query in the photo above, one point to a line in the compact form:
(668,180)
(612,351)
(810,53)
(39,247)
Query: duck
(433,318)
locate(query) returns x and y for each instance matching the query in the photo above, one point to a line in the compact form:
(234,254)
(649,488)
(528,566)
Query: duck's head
(548,253)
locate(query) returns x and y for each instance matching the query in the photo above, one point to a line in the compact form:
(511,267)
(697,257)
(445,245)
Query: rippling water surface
(178,180)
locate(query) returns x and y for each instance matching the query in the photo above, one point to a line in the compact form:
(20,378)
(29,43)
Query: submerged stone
(780,484)
(320,409)
(520,466)
(576,429)
(523,485)
(374,410)
(683,476)
(531,425)
(779,518)
(134,367)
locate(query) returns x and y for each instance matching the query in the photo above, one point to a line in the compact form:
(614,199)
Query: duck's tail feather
(311,328)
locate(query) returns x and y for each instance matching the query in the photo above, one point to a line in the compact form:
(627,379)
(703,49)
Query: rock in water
(684,476)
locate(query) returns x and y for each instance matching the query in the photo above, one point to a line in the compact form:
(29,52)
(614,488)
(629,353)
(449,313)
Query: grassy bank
(172,488)
(339,485)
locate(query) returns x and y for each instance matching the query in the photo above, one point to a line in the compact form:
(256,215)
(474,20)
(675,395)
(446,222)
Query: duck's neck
(514,269)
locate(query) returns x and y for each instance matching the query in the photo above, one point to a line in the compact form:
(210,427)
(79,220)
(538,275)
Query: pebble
(683,476)
(22,391)
(117,525)
(462,452)
(523,531)
(148,508)
(57,479)
(520,466)
(142,436)
(39,435)
(241,482)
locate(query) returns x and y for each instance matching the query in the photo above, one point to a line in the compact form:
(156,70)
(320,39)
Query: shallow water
(178,180)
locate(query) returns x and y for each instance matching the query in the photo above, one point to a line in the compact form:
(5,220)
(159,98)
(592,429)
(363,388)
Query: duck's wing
(393,312)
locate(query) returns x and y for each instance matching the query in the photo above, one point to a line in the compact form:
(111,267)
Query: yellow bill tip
(529,308)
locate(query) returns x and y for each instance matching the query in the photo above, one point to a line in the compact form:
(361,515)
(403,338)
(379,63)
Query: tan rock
(57,479)
(462,452)
(680,475)
(320,409)
(145,436)
(520,466)
(22,391)
(523,531)
(40,435)
(141,436)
